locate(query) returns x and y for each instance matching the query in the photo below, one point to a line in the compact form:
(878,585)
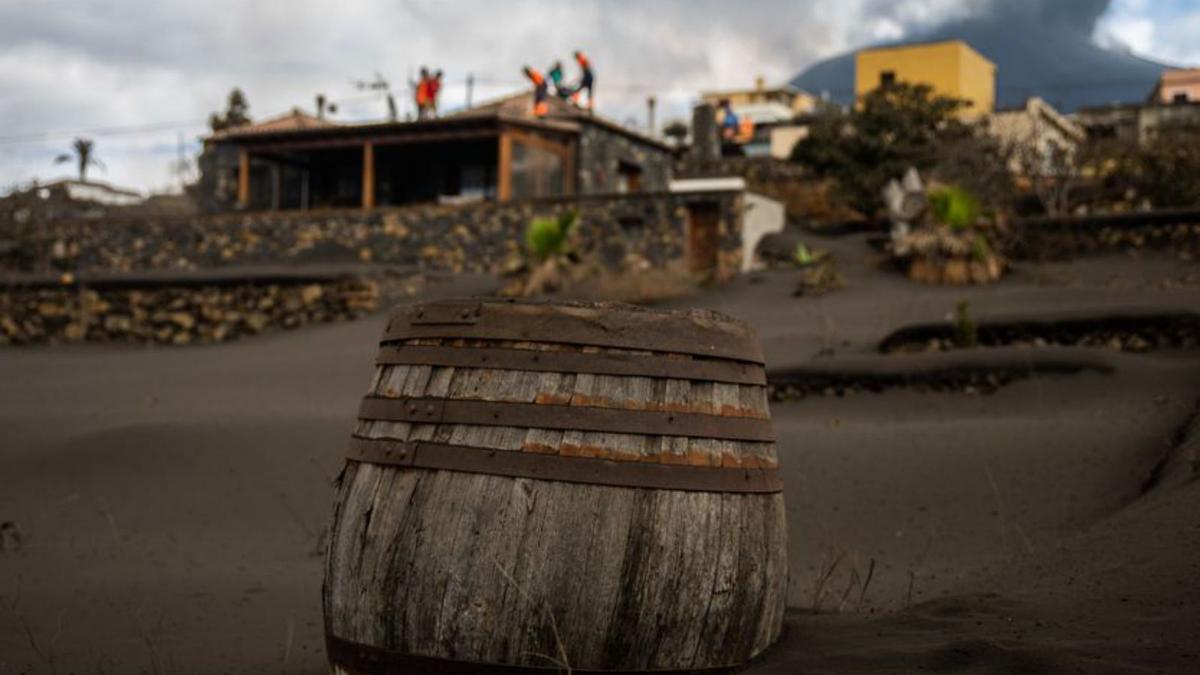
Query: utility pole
(650,102)
(182,166)
(470,87)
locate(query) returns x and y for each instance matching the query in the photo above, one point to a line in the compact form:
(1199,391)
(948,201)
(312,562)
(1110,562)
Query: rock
(257,322)
(182,319)
(311,294)
(74,331)
(118,323)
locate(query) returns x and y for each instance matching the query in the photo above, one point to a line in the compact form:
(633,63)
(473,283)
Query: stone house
(494,152)
(1035,132)
(1134,122)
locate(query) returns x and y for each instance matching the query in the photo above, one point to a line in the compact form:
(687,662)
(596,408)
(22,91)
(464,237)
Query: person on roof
(730,124)
(587,79)
(561,88)
(421,93)
(435,87)
(540,106)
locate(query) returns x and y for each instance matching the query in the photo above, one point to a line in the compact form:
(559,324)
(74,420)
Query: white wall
(763,216)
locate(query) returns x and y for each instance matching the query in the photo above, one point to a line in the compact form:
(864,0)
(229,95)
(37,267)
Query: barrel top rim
(694,331)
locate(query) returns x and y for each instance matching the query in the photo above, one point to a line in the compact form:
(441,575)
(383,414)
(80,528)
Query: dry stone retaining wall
(472,238)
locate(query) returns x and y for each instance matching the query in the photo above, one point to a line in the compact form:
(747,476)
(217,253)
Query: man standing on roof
(587,79)
(730,123)
(421,94)
(540,106)
(435,87)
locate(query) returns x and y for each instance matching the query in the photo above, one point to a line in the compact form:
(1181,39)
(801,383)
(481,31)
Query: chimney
(650,101)
(706,145)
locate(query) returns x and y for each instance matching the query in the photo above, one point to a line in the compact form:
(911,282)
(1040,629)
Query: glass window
(536,172)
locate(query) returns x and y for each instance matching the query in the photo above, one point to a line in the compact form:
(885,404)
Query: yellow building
(952,68)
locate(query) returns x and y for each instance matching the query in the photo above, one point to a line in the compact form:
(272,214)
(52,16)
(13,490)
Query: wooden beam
(368,176)
(504,169)
(243,186)
(276,186)
(377,139)
(571,170)
(541,142)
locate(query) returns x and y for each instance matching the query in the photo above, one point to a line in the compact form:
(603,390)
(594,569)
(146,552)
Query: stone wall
(601,152)
(176,314)
(480,237)
(1176,232)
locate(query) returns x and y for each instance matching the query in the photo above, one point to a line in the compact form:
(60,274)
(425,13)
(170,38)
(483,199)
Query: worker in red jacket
(587,79)
(434,88)
(540,106)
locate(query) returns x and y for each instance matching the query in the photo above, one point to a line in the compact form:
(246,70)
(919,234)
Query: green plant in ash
(966,332)
(953,206)
(980,249)
(546,237)
(802,255)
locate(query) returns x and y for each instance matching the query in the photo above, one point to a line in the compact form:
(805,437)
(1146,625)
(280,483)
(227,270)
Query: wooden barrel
(533,487)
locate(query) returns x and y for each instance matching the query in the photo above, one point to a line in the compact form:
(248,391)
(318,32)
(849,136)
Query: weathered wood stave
(473,567)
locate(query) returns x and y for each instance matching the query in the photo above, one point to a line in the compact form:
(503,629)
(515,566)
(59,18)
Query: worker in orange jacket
(421,94)
(540,106)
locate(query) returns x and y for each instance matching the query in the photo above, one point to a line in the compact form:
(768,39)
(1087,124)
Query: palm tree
(81,152)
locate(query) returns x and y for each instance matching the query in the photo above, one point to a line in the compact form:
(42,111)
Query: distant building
(768,103)
(1177,86)
(951,68)
(495,152)
(1136,123)
(1035,128)
(91,192)
(774,113)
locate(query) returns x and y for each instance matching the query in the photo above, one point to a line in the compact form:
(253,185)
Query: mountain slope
(1033,56)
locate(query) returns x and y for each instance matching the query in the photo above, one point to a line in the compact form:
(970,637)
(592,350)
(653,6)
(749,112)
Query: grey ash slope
(1040,49)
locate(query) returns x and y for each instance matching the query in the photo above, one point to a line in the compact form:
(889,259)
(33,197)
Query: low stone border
(176,314)
(969,372)
(1132,330)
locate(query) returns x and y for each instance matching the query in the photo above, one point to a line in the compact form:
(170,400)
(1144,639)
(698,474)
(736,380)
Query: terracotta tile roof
(520,105)
(296,120)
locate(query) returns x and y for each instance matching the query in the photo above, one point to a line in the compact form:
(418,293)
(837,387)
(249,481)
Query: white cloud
(1163,31)
(122,63)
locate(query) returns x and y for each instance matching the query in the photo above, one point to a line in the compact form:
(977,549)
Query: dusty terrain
(168,503)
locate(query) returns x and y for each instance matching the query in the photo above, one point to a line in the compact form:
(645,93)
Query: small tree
(81,152)
(891,129)
(1052,169)
(1165,170)
(236,112)
(677,131)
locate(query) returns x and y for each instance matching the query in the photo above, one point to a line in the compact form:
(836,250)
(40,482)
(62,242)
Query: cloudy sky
(141,76)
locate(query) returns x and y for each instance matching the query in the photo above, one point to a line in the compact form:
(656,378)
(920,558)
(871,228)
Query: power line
(469,83)
(148,127)
(101,131)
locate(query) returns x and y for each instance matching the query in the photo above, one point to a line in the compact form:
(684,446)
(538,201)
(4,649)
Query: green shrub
(980,249)
(545,237)
(802,255)
(954,206)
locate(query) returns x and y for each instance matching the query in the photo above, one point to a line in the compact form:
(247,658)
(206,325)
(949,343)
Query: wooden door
(703,238)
